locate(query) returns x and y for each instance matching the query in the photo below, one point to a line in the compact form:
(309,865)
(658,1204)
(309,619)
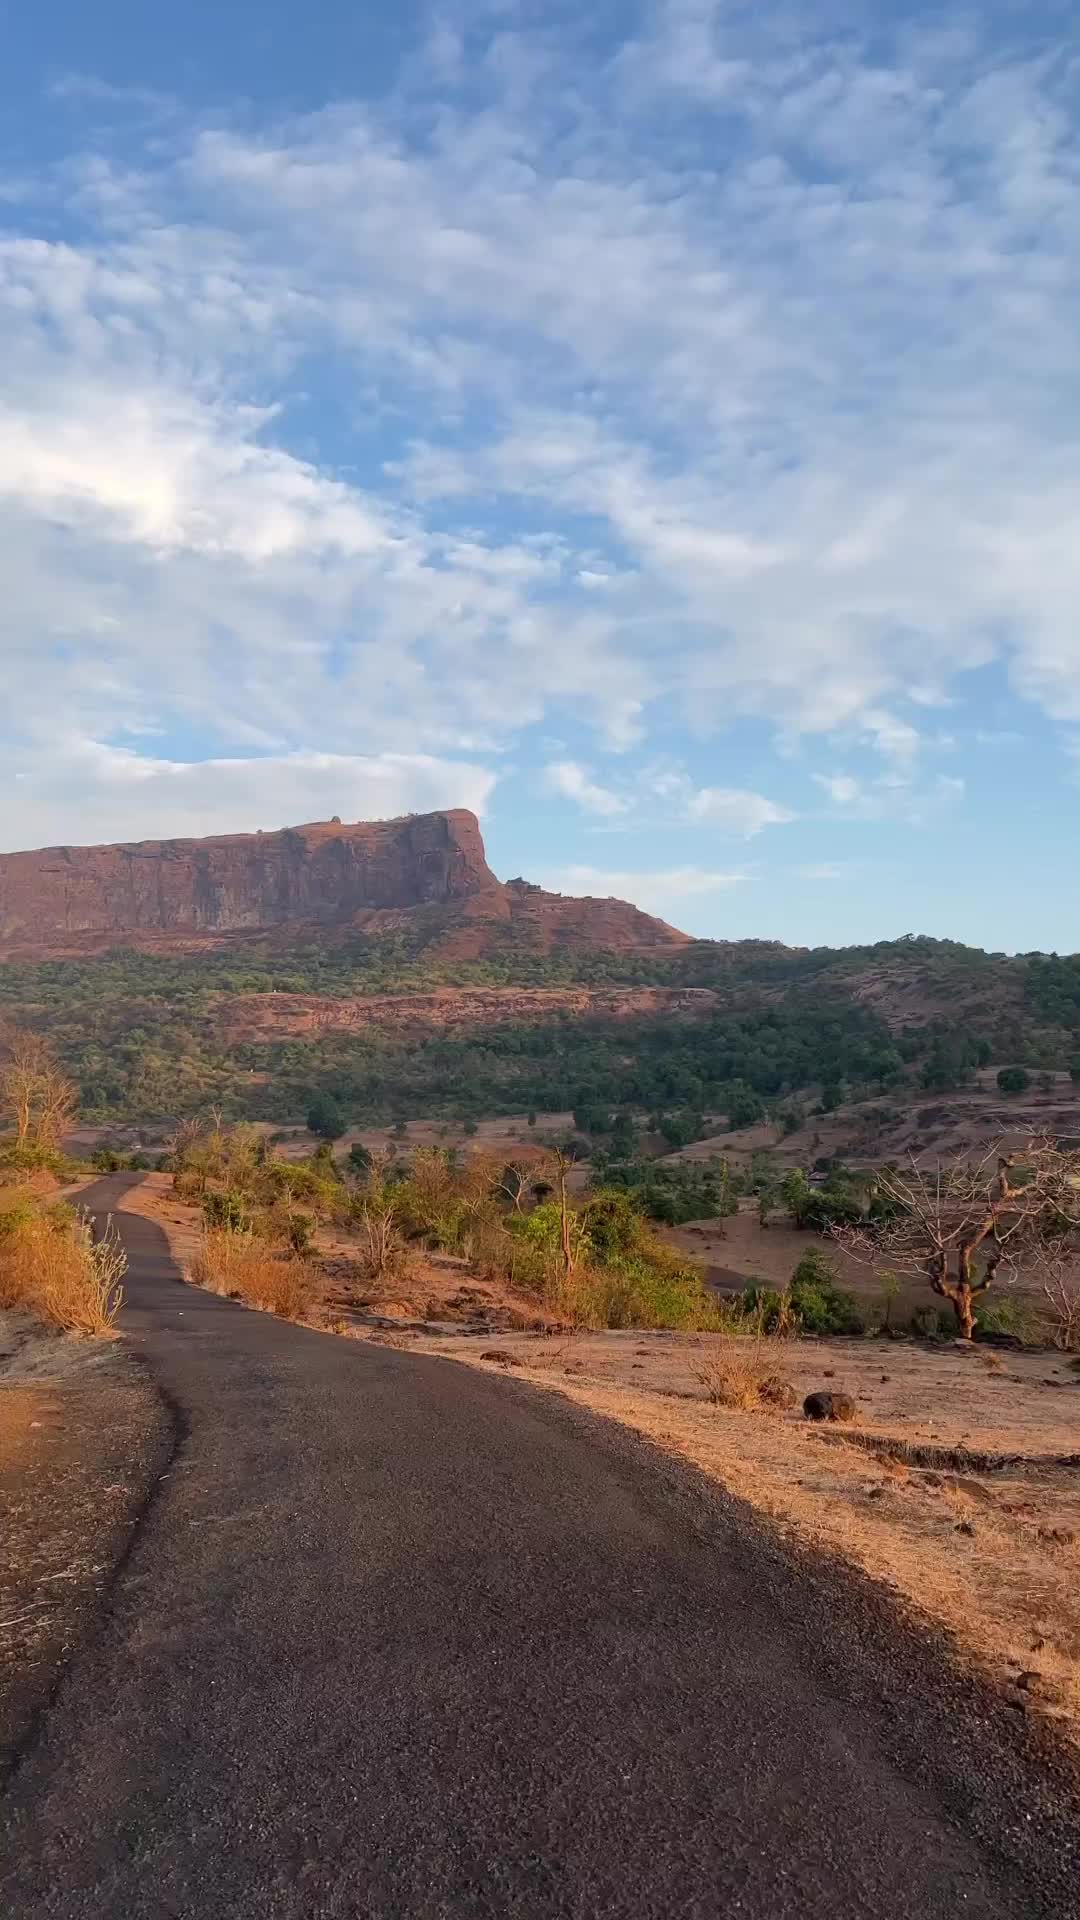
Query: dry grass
(243,1268)
(738,1370)
(51,1263)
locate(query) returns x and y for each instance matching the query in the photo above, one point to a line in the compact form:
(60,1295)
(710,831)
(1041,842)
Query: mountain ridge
(323,878)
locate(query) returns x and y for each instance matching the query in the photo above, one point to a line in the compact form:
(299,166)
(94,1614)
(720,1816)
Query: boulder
(829,1406)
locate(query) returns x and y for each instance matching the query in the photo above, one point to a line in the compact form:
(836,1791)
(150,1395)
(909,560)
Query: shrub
(226,1210)
(1014,1080)
(740,1370)
(1010,1316)
(818,1303)
(933,1323)
(325,1118)
(768,1308)
(299,1232)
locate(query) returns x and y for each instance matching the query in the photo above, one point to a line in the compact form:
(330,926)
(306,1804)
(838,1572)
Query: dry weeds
(738,1370)
(243,1268)
(52,1264)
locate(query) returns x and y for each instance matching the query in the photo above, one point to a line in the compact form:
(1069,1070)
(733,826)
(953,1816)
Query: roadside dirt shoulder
(83,1437)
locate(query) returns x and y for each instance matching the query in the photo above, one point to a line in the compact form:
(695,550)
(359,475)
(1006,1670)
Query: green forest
(144,1038)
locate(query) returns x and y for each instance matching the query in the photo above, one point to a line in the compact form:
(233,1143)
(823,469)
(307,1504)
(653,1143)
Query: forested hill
(395,1028)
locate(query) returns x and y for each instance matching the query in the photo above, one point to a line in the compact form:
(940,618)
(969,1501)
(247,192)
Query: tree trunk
(960,1292)
(964,1311)
(564,1221)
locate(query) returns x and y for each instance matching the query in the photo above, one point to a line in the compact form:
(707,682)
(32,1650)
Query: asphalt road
(398,1638)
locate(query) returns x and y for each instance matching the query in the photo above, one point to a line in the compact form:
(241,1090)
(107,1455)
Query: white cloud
(822,870)
(841,788)
(610,437)
(574,782)
(99,793)
(736,811)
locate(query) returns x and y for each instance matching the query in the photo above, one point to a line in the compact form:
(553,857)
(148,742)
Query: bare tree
(1061,1291)
(34,1089)
(958,1221)
(518,1174)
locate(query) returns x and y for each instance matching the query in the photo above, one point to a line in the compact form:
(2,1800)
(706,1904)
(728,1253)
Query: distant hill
(386,963)
(425,873)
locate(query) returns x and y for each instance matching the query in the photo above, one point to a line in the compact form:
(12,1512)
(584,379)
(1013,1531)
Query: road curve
(398,1638)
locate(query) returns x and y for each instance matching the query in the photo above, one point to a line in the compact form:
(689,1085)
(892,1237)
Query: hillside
(385,963)
(427,873)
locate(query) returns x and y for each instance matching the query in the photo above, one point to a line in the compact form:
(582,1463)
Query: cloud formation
(756,423)
(99,793)
(574,782)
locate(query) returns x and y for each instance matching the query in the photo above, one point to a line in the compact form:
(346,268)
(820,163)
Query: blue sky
(659,432)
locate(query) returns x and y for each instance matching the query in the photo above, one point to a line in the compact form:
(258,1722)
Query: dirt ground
(82,1437)
(909,1120)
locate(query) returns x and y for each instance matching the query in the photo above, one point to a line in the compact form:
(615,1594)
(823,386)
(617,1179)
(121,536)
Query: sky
(654,426)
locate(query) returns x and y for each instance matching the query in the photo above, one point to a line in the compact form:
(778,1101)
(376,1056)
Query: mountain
(425,872)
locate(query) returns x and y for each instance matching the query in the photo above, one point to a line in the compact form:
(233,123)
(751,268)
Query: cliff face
(313,876)
(371,876)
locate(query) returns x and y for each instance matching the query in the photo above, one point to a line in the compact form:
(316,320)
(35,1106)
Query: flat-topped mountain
(367,876)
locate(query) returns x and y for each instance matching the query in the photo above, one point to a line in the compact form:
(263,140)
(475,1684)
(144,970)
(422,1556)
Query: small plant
(1012,1317)
(299,1232)
(931,1324)
(226,1210)
(890,1287)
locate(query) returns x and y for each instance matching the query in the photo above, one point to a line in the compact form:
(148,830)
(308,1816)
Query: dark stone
(829,1406)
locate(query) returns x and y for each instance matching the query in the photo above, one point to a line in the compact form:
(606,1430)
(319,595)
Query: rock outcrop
(425,870)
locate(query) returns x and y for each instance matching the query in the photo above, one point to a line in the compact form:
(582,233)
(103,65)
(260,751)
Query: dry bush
(742,1368)
(383,1253)
(53,1265)
(241,1267)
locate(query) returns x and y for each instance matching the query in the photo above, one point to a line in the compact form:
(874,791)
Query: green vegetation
(687,1190)
(325,1118)
(157,1055)
(593,1262)
(153,1037)
(813,1303)
(1013,1080)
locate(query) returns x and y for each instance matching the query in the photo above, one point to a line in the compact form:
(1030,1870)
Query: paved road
(397,1638)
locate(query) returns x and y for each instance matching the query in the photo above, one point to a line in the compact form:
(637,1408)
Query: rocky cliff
(427,870)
